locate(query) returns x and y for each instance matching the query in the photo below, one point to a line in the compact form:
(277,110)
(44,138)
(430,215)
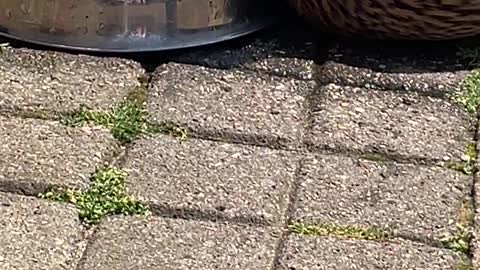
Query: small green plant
(470,96)
(106,196)
(368,233)
(459,242)
(374,157)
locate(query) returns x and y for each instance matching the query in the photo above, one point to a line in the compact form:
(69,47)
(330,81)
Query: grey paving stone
(155,243)
(412,201)
(434,68)
(37,234)
(36,154)
(32,80)
(319,253)
(403,125)
(216,180)
(282,51)
(434,83)
(231,105)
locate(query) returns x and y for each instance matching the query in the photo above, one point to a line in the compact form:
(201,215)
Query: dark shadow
(392,56)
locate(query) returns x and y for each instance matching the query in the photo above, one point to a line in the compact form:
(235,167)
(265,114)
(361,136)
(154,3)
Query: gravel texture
(217,180)
(231,105)
(436,68)
(403,125)
(156,243)
(318,253)
(432,83)
(36,154)
(280,52)
(414,201)
(36,234)
(38,82)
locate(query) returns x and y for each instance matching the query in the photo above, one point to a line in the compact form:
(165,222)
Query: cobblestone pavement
(275,151)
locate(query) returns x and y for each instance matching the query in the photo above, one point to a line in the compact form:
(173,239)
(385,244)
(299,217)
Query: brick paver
(230,105)
(51,82)
(415,201)
(36,234)
(157,243)
(212,178)
(37,154)
(436,70)
(271,53)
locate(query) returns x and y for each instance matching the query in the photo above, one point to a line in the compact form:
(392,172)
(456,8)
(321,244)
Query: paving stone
(37,234)
(37,153)
(214,179)
(282,51)
(32,80)
(435,69)
(412,201)
(233,105)
(320,253)
(402,125)
(155,243)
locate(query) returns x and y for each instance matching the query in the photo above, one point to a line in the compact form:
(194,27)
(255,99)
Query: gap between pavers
(43,83)
(211,180)
(230,105)
(37,234)
(177,244)
(405,126)
(37,154)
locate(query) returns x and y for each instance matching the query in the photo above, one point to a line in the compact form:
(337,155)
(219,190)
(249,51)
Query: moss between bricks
(367,233)
(461,240)
(106,196)
(467,167)
(125,121)
(470,96)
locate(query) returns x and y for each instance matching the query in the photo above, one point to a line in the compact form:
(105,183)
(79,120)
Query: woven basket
(400,19)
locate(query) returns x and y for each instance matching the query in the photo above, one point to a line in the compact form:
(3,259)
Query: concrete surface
(36,234)
(37,154)
(157,243)
(284,126)
(347,119)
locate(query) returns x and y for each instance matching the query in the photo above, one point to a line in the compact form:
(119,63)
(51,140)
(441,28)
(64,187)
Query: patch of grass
(126,122)
(470,96)
(4,46)
(374,157)
(467,167)
(460,242)
(106,196)
(368,233)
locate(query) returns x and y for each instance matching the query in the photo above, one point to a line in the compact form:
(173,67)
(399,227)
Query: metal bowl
(130,25)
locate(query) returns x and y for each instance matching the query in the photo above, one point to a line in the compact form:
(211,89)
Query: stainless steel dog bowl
(130,25)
